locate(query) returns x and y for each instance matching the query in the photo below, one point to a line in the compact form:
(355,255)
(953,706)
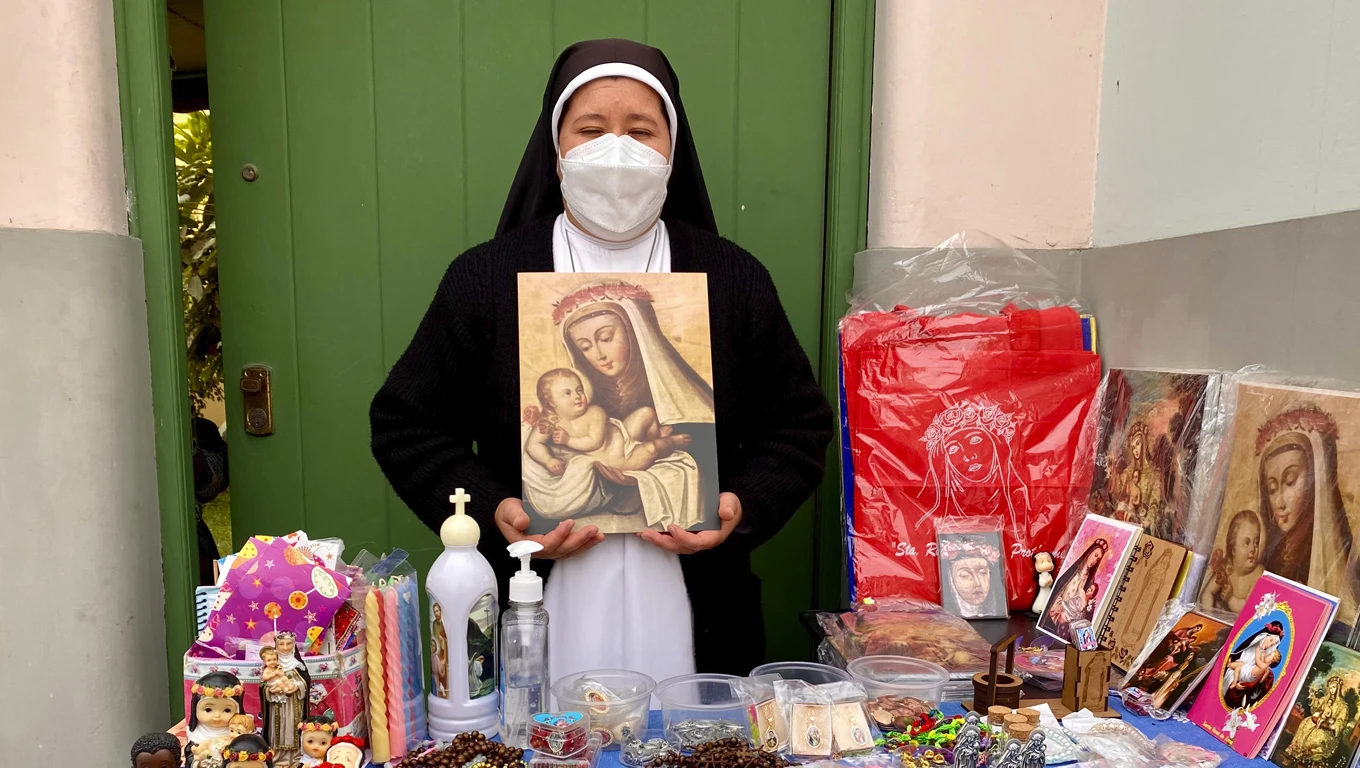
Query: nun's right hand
(558,543)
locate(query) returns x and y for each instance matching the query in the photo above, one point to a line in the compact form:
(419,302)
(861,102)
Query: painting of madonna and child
(1289,501)
(616,390)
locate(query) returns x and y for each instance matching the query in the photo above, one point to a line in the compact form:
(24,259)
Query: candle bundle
(392,671)
(412,658)
(377,693)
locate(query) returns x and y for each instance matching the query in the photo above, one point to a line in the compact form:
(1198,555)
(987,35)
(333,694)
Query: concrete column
(82,626)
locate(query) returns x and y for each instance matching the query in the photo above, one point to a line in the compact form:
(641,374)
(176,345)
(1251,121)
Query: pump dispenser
(524,679)
(464,602)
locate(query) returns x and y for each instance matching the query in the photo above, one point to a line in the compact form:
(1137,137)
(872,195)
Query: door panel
(386,136)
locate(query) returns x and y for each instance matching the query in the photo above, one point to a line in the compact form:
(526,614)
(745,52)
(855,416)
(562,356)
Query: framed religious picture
(1148,449)
(616,392)
(1089,575)
(1292,474)
(1322,729)
(972,572)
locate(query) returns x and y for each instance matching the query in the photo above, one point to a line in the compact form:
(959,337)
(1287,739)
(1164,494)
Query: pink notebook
(1255,678)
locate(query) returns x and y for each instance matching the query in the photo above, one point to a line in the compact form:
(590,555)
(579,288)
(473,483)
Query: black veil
(536,193)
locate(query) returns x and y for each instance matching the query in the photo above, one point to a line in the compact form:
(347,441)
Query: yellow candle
(377,703)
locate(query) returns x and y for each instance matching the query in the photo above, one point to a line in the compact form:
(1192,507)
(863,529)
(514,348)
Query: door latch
(258,401)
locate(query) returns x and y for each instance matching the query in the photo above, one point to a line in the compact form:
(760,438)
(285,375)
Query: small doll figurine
(216,698)
(317,732)
(285,697)
(248,751)
(1043,565)
(156,750)
(346,752)
(241,725)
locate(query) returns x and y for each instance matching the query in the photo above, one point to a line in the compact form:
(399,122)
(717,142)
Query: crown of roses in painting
(242,756)
(951,549)
(1305,418)
(600,292)
(983,414)
(230,692)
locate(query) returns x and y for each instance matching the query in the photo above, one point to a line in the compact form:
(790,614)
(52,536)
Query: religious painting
(1088,576)
(616,392)
(1147,448)
(1322,729)
(1293,464)
(972,579)
(1178,663)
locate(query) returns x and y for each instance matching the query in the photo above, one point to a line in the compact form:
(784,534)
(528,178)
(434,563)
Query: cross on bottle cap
(459,529)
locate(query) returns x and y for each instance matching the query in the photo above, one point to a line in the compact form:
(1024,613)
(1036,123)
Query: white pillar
(82,625)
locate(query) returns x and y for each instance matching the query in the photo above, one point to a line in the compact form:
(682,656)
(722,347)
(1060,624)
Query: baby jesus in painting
(1249,674)
(573,423)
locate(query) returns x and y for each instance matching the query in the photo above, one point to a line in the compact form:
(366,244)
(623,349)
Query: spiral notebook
(1152,571)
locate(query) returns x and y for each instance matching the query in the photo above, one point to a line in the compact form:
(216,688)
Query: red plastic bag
(962,416)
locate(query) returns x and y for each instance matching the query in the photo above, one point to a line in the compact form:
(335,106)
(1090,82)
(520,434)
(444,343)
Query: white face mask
(614,186)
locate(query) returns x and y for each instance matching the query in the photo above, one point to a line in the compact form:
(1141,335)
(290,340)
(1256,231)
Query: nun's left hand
(683,542)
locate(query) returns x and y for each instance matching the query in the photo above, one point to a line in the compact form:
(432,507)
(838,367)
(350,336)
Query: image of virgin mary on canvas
(618,420)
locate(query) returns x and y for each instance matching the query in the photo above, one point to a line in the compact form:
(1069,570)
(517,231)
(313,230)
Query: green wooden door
(386,134)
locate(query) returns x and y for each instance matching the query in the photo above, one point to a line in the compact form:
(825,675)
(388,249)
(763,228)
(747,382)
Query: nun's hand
(683,542)
(558,543)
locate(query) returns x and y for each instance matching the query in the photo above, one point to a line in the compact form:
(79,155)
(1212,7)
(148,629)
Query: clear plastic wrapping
(1174,660)
(967,382)
(1157,436)
(909,628)
(1284,487)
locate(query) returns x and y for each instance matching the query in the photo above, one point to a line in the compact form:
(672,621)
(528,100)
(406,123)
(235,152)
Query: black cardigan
(457,385)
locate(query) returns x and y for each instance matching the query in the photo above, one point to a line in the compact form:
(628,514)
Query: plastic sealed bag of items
(1121,745)
(911,628)
(968,377)
(388,597)
(1175,659)
(1284,487)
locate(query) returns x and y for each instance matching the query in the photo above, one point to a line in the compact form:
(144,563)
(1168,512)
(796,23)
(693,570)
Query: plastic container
(524,680)
(463,609)
(621,709)
(560,735)
(899,676)
(815,674)
(690,698)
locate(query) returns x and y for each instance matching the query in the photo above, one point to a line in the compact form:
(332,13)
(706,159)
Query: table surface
(1172,729)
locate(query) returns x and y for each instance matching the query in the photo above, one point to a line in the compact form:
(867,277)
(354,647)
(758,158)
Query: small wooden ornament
(1086,679)
(993,687)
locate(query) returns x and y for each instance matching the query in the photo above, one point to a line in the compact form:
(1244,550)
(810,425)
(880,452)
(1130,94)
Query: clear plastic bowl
(899,676)
(703,697)
(816,674)
(622,718)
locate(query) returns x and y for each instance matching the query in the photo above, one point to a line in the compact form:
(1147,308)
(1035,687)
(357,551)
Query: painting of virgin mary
(1292,452)
(1085,583)
(617,395)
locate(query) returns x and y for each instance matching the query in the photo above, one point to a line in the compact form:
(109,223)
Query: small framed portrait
(972,575)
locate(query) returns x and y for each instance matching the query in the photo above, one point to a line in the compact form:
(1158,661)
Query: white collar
(204,733)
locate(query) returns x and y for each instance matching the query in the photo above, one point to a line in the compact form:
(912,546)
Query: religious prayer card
(1089,575)
(1289,499)
(972,576)
(1180,660)
(1257,674)
(616,391)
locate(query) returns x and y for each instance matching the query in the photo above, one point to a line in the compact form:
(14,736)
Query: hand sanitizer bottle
(464,602)
(524,651)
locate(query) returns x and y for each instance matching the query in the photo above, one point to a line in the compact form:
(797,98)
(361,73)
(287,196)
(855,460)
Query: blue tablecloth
(1172,729)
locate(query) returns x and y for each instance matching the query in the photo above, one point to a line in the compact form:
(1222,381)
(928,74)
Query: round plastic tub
(703,698)
(623,717)
(900,676)
(816,674)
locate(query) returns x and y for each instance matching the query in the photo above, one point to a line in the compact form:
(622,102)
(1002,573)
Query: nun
(610,182)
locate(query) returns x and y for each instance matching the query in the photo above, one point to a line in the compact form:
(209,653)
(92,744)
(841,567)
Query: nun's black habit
(457,384)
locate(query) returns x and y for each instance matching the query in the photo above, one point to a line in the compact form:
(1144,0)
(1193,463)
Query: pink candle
(396,698)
